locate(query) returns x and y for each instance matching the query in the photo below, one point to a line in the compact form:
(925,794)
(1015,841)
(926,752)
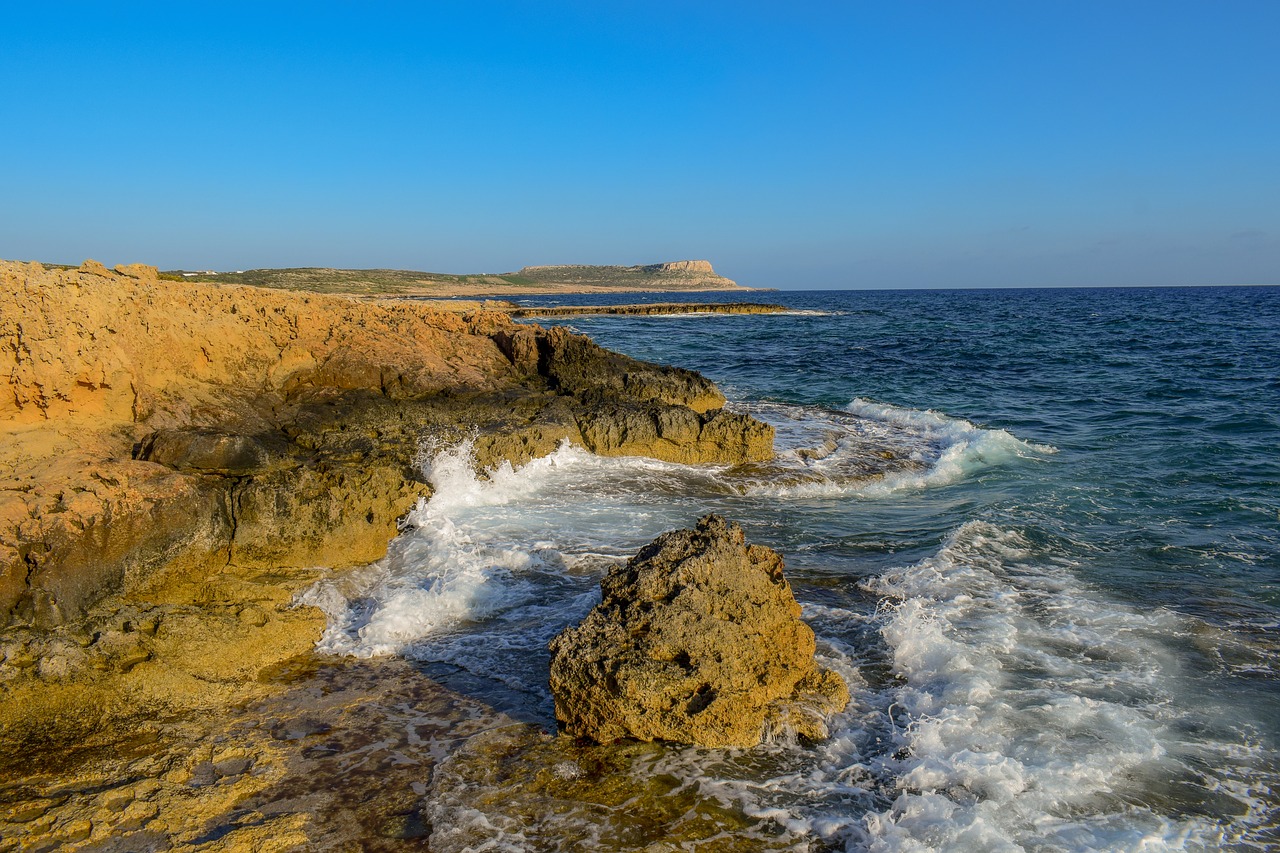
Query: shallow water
(1037,531)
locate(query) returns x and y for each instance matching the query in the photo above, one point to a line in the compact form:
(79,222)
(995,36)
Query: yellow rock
(696,640)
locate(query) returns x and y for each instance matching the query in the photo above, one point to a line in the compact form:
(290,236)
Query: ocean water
(1038,531)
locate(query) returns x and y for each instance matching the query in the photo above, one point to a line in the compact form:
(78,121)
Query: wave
(488,546)
(873,450)
(489,568)
(1020,711)
(1036,714)
(1015,708)
(452,564)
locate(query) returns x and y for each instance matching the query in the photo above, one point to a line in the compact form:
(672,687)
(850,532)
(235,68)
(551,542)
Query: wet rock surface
(338,756)
(519,788)
(697,640)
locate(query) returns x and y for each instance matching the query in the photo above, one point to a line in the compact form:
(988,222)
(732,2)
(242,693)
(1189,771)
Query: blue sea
(1038,532)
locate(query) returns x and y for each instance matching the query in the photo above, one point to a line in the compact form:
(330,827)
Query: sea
(1036,530)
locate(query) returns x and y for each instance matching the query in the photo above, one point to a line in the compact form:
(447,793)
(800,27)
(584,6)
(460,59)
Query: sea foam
(442,572)
(1035,714)
(873,450)
(1022,710)
(494,563)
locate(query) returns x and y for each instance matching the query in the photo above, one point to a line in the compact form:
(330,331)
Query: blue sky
(840,144)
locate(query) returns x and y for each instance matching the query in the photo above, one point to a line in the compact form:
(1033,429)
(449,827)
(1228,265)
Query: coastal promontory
(671,276)
(178,459)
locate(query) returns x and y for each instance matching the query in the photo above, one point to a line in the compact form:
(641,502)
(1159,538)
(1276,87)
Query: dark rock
(650,309)
(184,526)
(611,427)
(205,451)
(577,365)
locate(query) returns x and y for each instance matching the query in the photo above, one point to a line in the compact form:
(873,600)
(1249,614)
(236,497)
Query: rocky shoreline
(179,460)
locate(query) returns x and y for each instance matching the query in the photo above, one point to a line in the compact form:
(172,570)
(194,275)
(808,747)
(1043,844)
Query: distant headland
(560,278)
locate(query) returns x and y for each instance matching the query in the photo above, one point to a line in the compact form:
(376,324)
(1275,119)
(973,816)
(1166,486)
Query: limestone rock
(155,427)
(142,271)
(578,365)
(205,451)
(330,514)
(585,278)
(613,426)
(178,459)
(107,528)
(697,639)
(94,268)
(682,266)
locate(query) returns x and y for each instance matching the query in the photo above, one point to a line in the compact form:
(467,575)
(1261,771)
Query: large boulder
(697,640)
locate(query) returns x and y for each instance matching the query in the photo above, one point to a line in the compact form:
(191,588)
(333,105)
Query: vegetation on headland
(676,276)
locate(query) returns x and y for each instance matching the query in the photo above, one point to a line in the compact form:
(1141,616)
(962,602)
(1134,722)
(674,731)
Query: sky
(794,145)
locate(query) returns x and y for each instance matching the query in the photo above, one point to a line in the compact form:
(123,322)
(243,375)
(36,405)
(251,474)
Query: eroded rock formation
(698,640)
(151,425)
(177,459)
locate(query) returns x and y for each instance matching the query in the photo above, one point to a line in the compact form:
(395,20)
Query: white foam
(435,575)
(873,450)
(1024,710)
(1034,714)
(1030,714)
(484,547)
(949,448)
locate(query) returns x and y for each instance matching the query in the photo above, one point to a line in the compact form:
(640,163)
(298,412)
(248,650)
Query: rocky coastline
(178,460)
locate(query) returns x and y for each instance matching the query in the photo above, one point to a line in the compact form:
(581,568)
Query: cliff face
(96,363)
(701,267)
(154,434)
(97,345)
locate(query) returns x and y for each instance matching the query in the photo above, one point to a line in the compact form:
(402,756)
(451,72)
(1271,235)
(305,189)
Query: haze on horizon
(817,145)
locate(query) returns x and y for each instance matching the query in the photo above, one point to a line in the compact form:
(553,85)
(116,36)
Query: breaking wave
(872,450)
(999,702)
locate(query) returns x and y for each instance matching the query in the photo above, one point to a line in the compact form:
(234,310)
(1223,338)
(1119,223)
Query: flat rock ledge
(647,310)
(696,640)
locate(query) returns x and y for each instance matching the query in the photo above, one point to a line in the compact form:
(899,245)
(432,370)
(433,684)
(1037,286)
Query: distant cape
(673,276)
